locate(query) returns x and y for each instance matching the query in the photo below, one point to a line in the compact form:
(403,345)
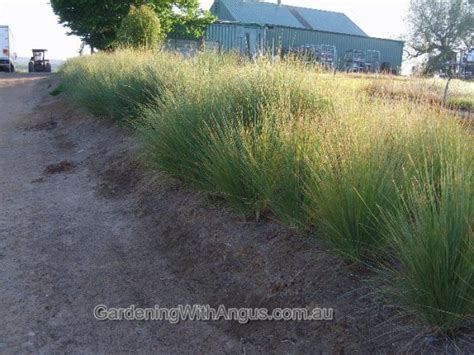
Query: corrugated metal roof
(258,12)
(252,11)
(329,21)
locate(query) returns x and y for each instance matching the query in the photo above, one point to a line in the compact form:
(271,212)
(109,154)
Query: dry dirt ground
(82,223)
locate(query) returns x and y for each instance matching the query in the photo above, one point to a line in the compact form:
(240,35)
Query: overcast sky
(34,25)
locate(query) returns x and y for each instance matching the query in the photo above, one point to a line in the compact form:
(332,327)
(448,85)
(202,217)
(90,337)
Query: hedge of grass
(383,181)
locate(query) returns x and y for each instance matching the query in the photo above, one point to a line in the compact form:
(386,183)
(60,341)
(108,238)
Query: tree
(97,22)
(141,28)
(439,28)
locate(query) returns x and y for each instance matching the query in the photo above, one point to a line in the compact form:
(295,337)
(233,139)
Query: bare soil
(83,223)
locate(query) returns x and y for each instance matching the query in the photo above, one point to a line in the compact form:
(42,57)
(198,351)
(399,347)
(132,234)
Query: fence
(190,48)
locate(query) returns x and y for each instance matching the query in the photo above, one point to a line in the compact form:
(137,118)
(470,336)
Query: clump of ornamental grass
(354,180)
(431,233)
(226,139)
(112,85)
(291,173)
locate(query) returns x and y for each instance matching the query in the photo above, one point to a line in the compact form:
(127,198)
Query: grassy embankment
(384,182)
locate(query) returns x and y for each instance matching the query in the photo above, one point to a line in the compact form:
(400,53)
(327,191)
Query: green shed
(252,27)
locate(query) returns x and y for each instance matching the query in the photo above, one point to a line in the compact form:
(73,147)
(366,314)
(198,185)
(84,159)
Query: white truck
(7,56)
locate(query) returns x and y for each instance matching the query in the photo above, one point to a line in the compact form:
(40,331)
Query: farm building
(253,27)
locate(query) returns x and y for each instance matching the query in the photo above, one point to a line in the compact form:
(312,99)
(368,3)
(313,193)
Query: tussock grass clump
(380,180)
(232,131)
(356,180)
(432,236)
(118,85)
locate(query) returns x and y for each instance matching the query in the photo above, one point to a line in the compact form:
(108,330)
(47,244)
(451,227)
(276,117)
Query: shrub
(141,29)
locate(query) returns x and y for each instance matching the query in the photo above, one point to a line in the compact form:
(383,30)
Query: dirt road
(82,224)
(65,247)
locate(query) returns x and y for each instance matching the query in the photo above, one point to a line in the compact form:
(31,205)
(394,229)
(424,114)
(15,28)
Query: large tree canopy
(439,28)
(97,22)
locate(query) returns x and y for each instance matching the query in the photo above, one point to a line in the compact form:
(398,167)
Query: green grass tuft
(432,236)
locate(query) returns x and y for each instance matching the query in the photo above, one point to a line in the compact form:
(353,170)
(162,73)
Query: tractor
(38,63)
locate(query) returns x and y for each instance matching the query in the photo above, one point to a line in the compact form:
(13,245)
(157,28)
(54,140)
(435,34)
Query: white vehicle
(7,56)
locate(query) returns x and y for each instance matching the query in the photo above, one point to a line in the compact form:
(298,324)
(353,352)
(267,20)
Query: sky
(34,24)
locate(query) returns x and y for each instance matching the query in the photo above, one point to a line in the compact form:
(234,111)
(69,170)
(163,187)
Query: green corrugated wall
(232,36)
